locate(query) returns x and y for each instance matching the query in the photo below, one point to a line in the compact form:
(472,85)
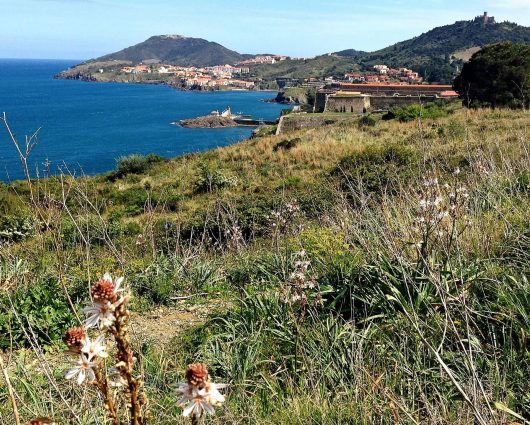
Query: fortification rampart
(294,122)
(347,104)
(351,102)
(384,103)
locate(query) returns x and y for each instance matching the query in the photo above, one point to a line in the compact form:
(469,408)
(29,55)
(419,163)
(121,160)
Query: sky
(84,29)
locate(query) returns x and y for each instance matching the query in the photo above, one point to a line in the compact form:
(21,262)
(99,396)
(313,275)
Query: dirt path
(164,323)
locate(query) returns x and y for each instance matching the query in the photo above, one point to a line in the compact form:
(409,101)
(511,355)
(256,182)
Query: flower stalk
(110,315)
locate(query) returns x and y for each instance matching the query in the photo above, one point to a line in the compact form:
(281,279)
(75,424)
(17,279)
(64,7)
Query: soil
(164,323)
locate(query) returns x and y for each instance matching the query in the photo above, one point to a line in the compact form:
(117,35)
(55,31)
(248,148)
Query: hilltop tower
(485,19)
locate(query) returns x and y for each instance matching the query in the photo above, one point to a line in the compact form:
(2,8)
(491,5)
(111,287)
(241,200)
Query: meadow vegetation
(361,273)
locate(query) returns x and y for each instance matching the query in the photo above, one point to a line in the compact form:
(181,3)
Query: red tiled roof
(399,86)
(449,93)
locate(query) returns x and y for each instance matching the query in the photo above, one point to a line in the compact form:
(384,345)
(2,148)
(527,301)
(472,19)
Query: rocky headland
(210,121)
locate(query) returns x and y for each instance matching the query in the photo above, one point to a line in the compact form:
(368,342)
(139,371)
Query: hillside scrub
(415,112)
(496,76)
(348,274)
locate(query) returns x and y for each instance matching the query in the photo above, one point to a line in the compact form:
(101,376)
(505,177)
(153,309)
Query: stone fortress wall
(361,98)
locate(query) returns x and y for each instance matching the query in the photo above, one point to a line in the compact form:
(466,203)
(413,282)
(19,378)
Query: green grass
(411,315)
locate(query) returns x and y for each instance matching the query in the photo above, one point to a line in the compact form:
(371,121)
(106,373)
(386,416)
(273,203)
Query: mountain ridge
(175,49)
(437,54)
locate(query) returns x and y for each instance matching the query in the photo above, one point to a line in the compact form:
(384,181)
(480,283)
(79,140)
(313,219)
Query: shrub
(413,112)
(93,230)
(210,179)
(367,121)
(41,307)
(287,144)
(134,164)
(377,169)
(133,198)
(15,228)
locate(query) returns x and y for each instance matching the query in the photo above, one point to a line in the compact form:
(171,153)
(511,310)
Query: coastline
(114,120)
(102,174)
(91,79)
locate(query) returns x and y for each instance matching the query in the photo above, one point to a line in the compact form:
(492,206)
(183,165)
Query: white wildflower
(83,370)
(199,395)
(100,313)
(95,348)
(197,400)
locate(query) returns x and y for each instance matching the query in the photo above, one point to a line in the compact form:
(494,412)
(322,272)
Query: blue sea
(88,126)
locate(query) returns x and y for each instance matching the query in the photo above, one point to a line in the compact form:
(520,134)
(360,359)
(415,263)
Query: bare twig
(11,392)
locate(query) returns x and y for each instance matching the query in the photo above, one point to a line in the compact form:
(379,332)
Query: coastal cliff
(292,96)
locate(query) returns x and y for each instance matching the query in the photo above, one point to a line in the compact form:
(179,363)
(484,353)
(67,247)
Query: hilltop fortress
(485,19)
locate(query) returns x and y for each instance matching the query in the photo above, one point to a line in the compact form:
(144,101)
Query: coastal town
(193,77)
(240,76)
(212,77)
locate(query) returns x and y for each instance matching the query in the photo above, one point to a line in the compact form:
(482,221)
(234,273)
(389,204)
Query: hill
(436,54)
(342,274)
(320,66)
(178,50)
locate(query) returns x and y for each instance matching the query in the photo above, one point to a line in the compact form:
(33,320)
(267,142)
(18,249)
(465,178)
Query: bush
(93,230)
(377,169)
(133,199)
(287,144)
(134,164)
(41,307)
(210,179)
(367,121)
(15,228)
(413,112)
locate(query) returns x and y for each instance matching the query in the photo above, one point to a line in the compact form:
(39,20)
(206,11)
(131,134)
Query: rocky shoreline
(211,121)
(219,121)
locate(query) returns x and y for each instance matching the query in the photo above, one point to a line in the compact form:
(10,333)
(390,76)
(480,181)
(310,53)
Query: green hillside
(431,54)
(321,66)
(176,50)
(361,273)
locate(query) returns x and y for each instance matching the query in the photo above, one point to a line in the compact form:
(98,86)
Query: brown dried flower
(197,375)
(106,289)
(125,358)
(75,339)
(42,421)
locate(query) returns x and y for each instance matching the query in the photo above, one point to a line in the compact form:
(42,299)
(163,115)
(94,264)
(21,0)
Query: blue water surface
(87,126)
